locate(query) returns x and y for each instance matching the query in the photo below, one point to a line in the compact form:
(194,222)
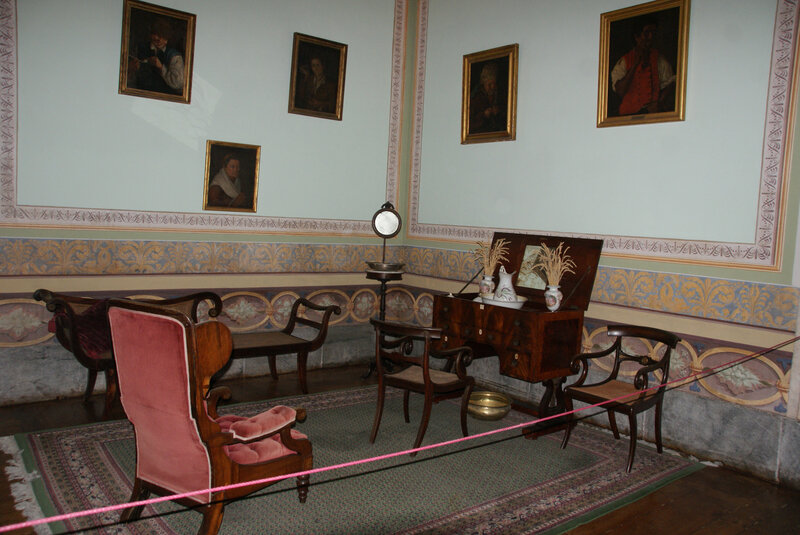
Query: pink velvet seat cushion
(265,424)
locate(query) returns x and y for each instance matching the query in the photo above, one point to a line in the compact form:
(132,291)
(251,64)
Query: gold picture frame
(316,85)
(231,179)
(654,37)
(489,95)
(157,52)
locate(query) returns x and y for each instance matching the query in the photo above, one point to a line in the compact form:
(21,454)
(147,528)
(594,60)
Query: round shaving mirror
(386,222)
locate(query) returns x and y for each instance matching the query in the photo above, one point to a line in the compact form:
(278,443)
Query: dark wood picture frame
(164,74)
(655,90)
(576,287)
(219,191)
(489,95)
(316,85)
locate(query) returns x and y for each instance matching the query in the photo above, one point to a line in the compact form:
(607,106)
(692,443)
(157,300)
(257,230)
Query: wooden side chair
(274,343)
(81,326)
(618,396)
(408,349)
(164,364)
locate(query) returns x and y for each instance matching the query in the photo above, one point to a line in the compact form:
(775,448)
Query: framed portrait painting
(642,75)
(316,85)
(231,181)
(157,52)
(489,95)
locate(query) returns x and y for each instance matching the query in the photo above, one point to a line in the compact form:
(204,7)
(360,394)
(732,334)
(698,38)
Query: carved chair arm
(642,378)
(580,363)
(321,326)
(213,397)
(461,357)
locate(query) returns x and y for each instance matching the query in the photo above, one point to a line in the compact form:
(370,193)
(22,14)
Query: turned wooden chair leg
(659,446)
(302,360)
(568,407)
(90,385)
(632,449)
(406,396)
(273,369)
(302,487)
(612,421)
(212,519)
(464,407)
(423,424)
(139,493)
(111,391)
(378,412)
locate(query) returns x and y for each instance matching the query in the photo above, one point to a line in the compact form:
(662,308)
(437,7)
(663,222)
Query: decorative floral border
(747,303)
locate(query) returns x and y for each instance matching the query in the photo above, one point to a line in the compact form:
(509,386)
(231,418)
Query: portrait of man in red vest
(642,79)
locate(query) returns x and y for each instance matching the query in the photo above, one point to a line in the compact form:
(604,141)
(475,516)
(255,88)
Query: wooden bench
(274,343)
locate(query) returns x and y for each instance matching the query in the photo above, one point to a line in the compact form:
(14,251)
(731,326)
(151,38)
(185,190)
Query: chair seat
(266,341)
(611,390)
(440,379)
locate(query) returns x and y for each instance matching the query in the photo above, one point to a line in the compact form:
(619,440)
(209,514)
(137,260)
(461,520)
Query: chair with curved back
(81,326)
(399,344)
(164,367)
(625,397)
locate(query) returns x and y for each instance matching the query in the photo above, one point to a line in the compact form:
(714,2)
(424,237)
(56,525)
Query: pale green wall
(81,144)
(564,174)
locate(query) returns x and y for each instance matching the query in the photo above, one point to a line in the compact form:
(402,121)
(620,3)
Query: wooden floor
(711,501)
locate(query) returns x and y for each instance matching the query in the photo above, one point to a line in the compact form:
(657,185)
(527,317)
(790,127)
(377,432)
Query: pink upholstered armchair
(164,365)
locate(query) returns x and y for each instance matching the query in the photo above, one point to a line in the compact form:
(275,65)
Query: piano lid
(576,287)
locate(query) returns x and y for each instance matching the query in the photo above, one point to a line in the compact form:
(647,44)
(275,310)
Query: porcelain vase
(486,286)
(552,298)
(505,290)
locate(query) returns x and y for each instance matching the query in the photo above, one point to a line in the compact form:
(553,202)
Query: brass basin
(385,266)
(486,405)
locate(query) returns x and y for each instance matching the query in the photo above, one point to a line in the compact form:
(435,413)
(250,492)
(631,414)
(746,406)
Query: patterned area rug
(501,483)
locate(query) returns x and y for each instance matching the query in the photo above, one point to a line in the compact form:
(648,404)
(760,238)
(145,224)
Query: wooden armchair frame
(624,397)
(411,371)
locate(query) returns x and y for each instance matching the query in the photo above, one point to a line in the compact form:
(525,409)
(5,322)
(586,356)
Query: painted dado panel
(740,302)
(761,383)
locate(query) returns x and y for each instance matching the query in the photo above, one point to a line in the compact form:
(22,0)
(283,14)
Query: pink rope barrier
(159,499)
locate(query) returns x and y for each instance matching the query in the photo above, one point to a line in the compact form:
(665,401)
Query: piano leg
(548,408)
